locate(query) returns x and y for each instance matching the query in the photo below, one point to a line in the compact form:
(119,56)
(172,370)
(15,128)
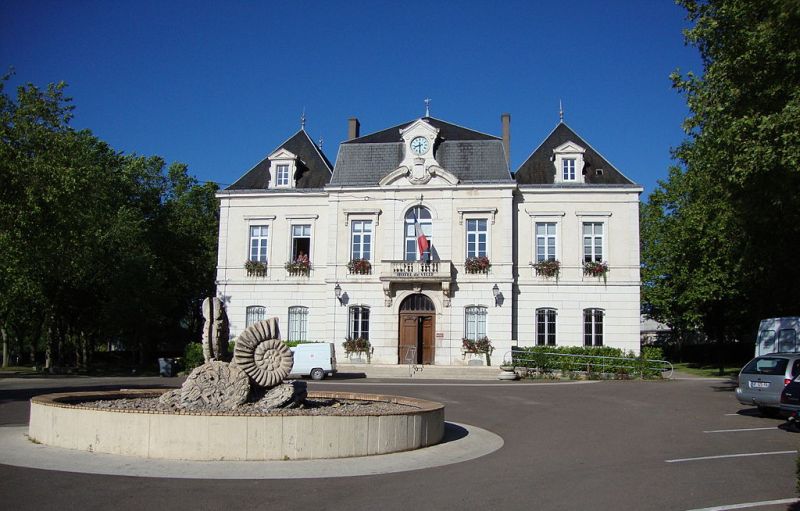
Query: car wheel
(768,411)
(317,374)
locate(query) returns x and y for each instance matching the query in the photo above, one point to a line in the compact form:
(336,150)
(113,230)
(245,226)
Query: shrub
(479,264)
(626,365)
(193,356)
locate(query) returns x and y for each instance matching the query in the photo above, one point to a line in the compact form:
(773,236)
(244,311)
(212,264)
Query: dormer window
(568,163)
(568,167)
(282,168)
(282,175)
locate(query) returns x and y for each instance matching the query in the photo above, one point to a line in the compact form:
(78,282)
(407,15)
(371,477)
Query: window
(786,340)
(254,314)
(259,238)
(475,322)
(568,167)
(359,322)
(282,175)
(298,323)
(361,239)
(545,241)
(592,327)
(301,242)
(423,216)
(593,242)
(546,327)
(768,366)
(476,238)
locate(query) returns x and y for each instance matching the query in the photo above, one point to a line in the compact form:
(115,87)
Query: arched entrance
(417,330)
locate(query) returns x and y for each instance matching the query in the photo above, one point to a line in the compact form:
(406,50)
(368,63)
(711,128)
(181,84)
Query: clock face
(419,145)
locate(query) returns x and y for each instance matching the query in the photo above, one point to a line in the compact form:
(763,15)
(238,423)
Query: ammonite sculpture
(259,352)
(216,386)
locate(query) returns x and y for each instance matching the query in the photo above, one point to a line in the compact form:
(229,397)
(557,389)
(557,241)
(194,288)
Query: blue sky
(218,85)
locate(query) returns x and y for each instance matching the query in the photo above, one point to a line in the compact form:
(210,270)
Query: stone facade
(461,181)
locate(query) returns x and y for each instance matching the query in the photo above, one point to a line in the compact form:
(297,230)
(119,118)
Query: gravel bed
(311,406)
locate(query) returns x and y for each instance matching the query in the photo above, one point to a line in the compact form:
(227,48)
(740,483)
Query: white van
(315,359)
(778,335)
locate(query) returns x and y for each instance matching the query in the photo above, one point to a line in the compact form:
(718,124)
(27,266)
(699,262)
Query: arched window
(593,327)
(254,314)
(422,216)
(545,327)
(475,322)
(298,323)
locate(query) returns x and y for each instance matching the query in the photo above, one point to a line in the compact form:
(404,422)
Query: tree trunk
(5,345)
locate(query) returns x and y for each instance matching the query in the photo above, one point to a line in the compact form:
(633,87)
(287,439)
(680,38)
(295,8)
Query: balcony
(416,271)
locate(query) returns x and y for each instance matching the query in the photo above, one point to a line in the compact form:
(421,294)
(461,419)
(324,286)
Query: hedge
(546,359)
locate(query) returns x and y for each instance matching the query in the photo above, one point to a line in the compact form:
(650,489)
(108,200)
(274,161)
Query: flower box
(596,269)
(478,347)
(477,264)
(359,267)
(357,346)
(298,268)
(548,268)
(256,268)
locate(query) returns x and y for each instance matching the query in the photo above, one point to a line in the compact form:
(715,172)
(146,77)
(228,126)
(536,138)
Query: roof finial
(303,119)
(427,107)
(560,112)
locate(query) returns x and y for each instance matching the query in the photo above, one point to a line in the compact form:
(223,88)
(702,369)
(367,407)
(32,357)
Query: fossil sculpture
(215,330)
(215,386)
(260,354)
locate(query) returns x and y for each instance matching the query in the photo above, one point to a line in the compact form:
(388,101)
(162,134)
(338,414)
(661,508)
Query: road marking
(721,456)
(736,415)
(747,505)
(734,430)
(428,384)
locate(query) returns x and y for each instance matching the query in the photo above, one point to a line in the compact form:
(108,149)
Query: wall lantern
(337,290)
(496,293)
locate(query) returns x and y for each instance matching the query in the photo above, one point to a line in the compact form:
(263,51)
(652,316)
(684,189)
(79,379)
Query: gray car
(762,380)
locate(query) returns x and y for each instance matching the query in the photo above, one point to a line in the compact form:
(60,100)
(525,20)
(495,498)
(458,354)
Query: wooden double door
(417,330)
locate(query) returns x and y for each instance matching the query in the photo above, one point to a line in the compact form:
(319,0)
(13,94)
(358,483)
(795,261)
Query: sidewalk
(426,372)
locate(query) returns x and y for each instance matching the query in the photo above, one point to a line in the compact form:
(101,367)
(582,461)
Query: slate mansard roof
(313,168)
(538,169)
(471,156)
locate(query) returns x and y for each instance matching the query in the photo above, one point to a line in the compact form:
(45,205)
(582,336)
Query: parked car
(315,359)
(790,399)
(763,379)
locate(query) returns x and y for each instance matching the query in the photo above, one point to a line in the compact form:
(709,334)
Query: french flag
(422,240)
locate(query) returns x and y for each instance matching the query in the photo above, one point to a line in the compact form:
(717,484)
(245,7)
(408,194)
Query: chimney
(506,120)
(353,128)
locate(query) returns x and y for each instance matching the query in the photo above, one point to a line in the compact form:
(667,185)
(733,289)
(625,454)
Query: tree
(95,245)
(716,235)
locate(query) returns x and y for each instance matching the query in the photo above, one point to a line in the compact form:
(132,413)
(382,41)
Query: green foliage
(193,356)
(547,359)
(714,254)
(95,246)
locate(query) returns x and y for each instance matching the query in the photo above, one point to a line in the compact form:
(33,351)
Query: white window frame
(426,224)
(356,320)
(262,239)
(357,239)
(550,330)
(595,334)
(292,237)
(475,322)
(282,175)
(539,257)
(568,169)
(298,323)
(477,233)
(254,314)
(593,256)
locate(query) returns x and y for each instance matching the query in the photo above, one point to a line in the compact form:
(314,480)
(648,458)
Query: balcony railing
(431,271)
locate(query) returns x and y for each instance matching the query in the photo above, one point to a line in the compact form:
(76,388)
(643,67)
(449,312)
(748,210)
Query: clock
(419,145)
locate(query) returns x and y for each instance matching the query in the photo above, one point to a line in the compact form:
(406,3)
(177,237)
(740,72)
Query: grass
(706,371)
(17,369)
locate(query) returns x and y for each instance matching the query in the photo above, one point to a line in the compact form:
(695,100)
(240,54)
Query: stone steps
(428,372)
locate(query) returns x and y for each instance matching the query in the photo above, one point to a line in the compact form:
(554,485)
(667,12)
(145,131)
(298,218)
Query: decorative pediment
(419,175)
(568,163)
(282,154)
(569,147)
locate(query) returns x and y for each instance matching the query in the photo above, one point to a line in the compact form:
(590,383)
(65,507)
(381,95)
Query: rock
(285,395)
(215,330)
(215,386)
(171,398)
(259,352)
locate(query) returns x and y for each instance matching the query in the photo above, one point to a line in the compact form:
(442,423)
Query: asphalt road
(603,445)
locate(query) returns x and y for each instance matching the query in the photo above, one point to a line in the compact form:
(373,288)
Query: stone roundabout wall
(226,436)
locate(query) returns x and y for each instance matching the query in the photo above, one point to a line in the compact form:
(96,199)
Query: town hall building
(420,240)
